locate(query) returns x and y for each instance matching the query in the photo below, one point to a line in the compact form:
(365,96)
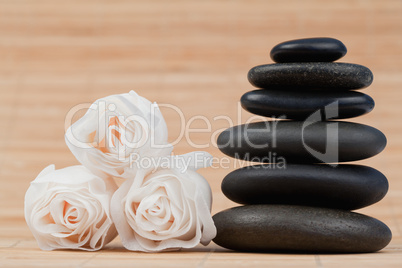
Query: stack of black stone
(303,202)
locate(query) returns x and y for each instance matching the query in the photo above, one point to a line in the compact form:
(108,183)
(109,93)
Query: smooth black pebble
(309,50)
(311,75)
(273,228)
(346,187)
(300,105)
(301,141)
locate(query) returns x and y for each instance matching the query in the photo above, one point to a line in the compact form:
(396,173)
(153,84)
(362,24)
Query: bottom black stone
(285,228)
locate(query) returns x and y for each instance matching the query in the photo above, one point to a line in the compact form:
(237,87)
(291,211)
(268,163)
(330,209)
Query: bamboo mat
(191,54)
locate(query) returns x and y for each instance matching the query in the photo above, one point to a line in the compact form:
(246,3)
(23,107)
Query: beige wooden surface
(191,54)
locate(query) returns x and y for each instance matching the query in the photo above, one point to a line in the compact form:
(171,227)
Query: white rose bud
(166,209)
(70,209)
(113,130)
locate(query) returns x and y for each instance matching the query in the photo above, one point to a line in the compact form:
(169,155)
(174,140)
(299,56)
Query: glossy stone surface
(301,141)
(300,105)
(346,187)
(311,75)
(273,228)
(321,49)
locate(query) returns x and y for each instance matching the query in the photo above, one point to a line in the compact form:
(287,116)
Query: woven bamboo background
(191,54)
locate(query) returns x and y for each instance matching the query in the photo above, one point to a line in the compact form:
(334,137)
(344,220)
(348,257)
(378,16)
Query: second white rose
(113,129)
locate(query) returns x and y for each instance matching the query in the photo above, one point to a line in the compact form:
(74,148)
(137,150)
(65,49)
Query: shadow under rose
(117,247)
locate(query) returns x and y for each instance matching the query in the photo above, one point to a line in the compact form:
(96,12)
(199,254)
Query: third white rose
(166,209)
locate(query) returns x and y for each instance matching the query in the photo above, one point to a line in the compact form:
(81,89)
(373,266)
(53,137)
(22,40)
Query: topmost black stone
(309,50)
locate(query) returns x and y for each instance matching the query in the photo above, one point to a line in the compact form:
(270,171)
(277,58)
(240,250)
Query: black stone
(312,75)
(309,50)
(346,187)
(301,104)
(273,228)
(301,142)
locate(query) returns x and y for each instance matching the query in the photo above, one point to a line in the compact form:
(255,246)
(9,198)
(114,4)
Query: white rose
(166,209)
(115,128)
(70,208)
